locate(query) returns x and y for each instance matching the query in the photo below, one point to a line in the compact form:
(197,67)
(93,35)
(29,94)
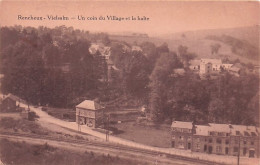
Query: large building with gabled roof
(89,113)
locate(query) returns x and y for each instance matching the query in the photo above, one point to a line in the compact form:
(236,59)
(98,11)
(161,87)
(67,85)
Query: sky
(164,17)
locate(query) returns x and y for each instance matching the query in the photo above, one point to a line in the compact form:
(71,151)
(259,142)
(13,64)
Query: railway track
(111,146)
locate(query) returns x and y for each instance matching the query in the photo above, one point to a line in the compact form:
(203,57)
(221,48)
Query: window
(205,148)
(197,146)
(244,142)
(206,140)
(227,141)
(189,145)
(218,149)
(235,149)
(236,141)
(219,141)
(210,140)
(237,133)
(252,143)
(226,150)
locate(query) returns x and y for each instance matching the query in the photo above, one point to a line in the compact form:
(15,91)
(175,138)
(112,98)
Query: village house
(136,48)
(222,139)
(182,135)
(235,71)
(89,113)
(208,66)
(195,65)
(9,103)
(104,50)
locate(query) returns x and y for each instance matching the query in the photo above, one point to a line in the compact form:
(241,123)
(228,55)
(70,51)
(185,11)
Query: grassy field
(21,125)
(149,135)
(22,153)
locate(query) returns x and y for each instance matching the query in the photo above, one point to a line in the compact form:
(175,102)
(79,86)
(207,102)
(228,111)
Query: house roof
(212,61)
(179,71)
(13,97)
(244,130)
(114,67)
(195,62)
(89,104)
(202,130)
(220,127)
(234,68)
(234,130)
(136,48)
(181,124)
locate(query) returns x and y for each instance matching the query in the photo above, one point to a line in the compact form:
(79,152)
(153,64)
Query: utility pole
(107,131)
(79,129)
(238,153)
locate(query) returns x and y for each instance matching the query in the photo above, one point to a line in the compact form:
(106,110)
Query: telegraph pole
(79,129)
(107,130)
(238,153)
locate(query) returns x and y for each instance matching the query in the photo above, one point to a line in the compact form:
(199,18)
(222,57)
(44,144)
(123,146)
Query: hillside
(199,43)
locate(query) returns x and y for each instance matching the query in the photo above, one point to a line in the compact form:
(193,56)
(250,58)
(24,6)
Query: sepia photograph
(129,82)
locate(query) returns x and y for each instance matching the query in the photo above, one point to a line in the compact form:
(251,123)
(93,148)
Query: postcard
(129,82)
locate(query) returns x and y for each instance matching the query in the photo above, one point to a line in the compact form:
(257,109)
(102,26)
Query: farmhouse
(222,139)
(89,113)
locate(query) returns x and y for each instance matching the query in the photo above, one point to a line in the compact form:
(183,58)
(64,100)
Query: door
(210,149)
(205,148)
(251,153)
(226,150)
(189,146)
(173,144)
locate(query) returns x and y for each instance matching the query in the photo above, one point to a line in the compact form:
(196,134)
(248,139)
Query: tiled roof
(89,104)
(181,124)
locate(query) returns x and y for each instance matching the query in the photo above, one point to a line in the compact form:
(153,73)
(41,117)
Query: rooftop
(213,61)
(89,104)
(181,124)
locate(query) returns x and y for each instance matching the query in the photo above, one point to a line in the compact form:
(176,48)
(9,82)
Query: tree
(216,110)
(215,48)
(185,55)
(159,84)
